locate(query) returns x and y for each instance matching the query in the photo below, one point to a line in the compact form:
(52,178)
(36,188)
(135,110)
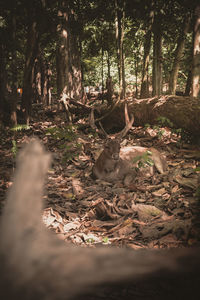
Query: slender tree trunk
(43,79)
(48,84)
(69,75)
(75,61)
(108,63)
(136,75)
(45,82)
(144,93)
(62,55)
(196,54)
(188,84)
(3,81)
(31,54)
(13,115)
(102,74)
(188,87)
(178,56)
(119,25)
(109,84)
(157,58)
(37,85)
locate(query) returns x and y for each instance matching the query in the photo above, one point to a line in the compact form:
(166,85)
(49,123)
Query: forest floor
(160,211)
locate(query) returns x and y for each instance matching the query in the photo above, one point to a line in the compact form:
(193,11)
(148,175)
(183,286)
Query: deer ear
(108,140)
(118,140)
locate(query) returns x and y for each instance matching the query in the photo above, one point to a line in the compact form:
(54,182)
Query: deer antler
(129,122)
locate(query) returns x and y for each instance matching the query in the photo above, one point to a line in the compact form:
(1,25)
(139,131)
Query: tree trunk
(48,86)
(136,56)
(45,82)
(196,54)
(109,87)
(102,74)
(75,60)
(13,115)
(31,54)
(4,117)
(144,93)
(62,55)
(188,83)
(69,75)
(119,26)
(183,112)
(108,63)
(37,86)
(188,87)
(178,56)
(157,57)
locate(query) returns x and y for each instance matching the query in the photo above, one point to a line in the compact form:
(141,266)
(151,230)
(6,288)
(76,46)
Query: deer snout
(115,156)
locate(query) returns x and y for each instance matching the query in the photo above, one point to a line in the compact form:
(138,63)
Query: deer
(118,163)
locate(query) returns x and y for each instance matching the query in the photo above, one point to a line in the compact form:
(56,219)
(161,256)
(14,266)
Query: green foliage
(90,241)
(144,160)
(157,128)
(14,148)
(67,133)
(16,129)
(20,127)
(105,240)
(146,126)
(70,151)
(2,22)
(197,194)
(163,121)
(160,131)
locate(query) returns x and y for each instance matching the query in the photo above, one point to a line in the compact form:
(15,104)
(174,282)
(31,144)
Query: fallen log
(34,264)
(183,112)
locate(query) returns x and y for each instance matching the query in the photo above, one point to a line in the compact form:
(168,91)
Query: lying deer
(35,264)
(108,160)
(116,164)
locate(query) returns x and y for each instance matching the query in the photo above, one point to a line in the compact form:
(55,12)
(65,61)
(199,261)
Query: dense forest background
(121,47)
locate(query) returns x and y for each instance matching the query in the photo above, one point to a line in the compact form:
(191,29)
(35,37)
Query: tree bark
(4,118)
(184,112)
(196,55)
(62,55)
(31,54)
(119,26)
(37,85)
(136,62)
(14,97)
(75,59)
(108,62)
(188,83)
(178,56)
(144,93)
(157,57)
(69,75)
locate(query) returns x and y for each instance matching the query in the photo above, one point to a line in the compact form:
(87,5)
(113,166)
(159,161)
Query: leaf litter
(160,211)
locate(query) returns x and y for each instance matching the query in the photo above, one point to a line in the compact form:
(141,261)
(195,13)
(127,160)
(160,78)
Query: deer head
(112,149)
